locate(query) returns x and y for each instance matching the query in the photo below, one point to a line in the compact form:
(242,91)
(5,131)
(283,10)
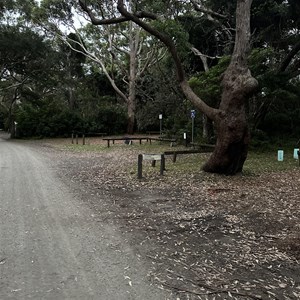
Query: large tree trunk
(130,118)
(131,101)
(71,97)
(232,135)
(231,124)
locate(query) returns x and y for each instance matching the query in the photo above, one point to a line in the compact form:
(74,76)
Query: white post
(280,155)
(160,124)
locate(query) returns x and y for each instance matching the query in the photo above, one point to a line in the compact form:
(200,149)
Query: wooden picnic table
(125,138)
(162,139)
(140,139)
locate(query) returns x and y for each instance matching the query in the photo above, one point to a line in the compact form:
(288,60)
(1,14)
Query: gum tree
(229,119)
(122,51)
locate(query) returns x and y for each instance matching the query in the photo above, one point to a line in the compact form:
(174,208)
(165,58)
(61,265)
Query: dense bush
(47,119)
(52,118)
(107,117)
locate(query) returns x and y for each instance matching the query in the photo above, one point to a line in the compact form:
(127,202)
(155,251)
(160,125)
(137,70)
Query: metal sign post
(160,124)
(193,115)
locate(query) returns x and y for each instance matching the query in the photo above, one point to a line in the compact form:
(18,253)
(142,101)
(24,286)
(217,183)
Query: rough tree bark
(238,84)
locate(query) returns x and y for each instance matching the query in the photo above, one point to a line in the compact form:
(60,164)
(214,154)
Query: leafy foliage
(48,118)
(207,84)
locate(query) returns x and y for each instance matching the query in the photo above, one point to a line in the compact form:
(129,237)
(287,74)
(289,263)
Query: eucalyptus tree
(10,7)
(23,66)
(238,84)
(276,40)
(122,51)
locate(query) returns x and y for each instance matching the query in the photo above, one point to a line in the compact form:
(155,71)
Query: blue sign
(193,114)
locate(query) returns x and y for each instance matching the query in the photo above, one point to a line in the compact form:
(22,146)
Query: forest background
(60,74)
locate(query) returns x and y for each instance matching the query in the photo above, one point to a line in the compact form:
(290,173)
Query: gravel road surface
(51,247)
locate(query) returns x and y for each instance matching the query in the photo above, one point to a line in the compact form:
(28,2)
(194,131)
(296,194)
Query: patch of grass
(258,161)
(266,162)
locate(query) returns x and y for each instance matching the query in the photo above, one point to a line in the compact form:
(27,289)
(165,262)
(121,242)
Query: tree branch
(203,58)
(12,86)
(285,63)
(197,7)
(168,42)
(87,53)
(96,21)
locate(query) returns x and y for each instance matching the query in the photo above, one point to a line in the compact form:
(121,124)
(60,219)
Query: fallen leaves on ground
(205,236)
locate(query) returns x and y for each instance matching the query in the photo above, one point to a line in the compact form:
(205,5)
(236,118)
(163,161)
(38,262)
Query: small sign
(280,155)
(184,135)
(193,114)
(296,150)
(151,156)
(160,116)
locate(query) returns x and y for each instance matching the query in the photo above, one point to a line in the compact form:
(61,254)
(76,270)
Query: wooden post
(174,157)
(140,166)
(83,139)
(76,139)
(162,165)
(72,138)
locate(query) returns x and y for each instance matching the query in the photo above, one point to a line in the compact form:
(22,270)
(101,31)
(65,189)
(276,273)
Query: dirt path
(52,244)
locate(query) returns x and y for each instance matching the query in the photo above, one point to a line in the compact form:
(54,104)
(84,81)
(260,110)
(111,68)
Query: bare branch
(202,57)
(12,86)
(207,11)
(285,63)
(165,39)
(153,57)
(96,21)
(91,56)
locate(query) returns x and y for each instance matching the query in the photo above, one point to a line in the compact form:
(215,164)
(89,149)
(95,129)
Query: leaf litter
(205,236)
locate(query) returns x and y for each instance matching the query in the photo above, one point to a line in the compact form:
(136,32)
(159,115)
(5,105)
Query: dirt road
(51,247)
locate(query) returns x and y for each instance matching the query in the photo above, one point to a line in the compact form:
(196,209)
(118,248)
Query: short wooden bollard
(162,165)
(140,166)
(153,158)
(76,139)
(83,139)
(72,138)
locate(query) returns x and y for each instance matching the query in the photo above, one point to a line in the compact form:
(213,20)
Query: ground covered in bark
(204,236)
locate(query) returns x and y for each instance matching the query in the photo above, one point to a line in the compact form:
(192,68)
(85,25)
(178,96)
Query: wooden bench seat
(113,139)
(204,149)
